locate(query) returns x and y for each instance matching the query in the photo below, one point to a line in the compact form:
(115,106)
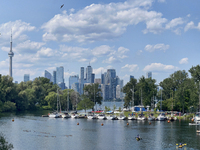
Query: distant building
(131,77)
(98,80)
(59,74)
(93,77)
(89,74)
(75,86)
(26,77)
(118,92)
(54,77)
(149,75)
(72,80)
(48,75)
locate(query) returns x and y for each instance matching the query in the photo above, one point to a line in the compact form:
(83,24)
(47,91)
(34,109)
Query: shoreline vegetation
(178,92)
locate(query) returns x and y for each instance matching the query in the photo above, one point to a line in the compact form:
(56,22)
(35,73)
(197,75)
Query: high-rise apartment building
(26,77)
(89,74)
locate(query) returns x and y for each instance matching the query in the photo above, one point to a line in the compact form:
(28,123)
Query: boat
(92,116)
(197,117)
(151,118)
(55,115)
(111,117)
(131,117)
(161,117)
(74,116)
(101,116)
(121,117)
(140,117)
(66,115)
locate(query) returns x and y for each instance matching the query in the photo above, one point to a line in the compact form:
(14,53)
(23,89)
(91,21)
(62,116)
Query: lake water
(30,131)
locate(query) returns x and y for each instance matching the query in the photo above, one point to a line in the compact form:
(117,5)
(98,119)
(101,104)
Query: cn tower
(10,54)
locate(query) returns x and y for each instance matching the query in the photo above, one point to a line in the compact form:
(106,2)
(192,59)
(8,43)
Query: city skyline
(131,36)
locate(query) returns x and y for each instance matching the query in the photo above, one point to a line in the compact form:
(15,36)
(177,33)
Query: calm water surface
(30,131)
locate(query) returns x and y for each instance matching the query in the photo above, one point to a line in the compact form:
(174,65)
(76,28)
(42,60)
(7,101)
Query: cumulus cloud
(18,29)
(130,68)
(102,21)
(190,25)
(111,59)
(158,67)
(152,48)
(99,70)
(45,52)
(174,22)
(183,61)
(103,50)
(28,46)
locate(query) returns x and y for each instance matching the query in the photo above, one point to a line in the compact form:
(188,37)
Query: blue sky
(133,36)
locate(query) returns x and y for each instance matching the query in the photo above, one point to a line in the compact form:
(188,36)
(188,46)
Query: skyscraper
(149,75)
(72,80)
(89,74)
(10,54)
(59,74)
(54,77)
(82,73)
(48,75)
(26,77)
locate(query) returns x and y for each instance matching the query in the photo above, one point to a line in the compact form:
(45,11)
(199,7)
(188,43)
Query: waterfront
(31,131)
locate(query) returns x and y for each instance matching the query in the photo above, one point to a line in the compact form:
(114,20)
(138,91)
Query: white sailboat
(56,114)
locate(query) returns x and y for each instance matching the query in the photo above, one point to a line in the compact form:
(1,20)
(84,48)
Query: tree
(128,89)
(93,92)
(51,99)
(4,145)
(85,104)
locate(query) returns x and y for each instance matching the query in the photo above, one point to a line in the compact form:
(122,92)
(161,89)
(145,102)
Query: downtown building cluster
(109,83)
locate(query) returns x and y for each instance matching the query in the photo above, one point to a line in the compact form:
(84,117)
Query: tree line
(178,92)
(43,94)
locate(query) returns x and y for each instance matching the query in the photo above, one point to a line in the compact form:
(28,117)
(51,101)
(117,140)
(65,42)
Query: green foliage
(107,109)
(85,104)
(8,106)
(4,145)
(93,92)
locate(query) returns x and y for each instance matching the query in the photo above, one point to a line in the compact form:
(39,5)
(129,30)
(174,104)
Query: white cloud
(183,61)
(190,25)
(151,48)
(103,50)
(161,1)
(99,70)
(18,29)
(45,52)
(130,68)
(174,22)
(111,59)
(102,21)
(158,67)
(28,46)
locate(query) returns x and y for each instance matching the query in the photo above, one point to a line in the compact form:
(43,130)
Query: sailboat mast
(57,99)
(68,100)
